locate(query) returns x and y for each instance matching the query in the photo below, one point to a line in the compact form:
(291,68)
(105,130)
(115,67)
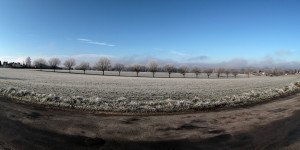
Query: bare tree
(257,72)
(170,68)
(269,72)
(69,63)
(83,66)
(290,71)
(54,62)
(183,70)
(196,70)
(219,71)
(277,72)
(153,67)
(102,64)
(248,71)
(39,63)
(119,68)
(234,72)
(227,72)
(28,62)
(208,71)
(137,68)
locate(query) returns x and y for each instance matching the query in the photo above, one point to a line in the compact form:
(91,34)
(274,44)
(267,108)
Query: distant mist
(237,63)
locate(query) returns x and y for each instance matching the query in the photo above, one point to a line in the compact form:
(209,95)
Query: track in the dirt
(23,126)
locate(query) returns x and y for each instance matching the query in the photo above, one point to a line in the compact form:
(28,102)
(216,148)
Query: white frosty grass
(126,94)
(124,105)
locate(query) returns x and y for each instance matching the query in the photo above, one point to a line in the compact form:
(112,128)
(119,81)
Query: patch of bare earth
(273,125)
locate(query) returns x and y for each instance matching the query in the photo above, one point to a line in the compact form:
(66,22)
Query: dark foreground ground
(273,125)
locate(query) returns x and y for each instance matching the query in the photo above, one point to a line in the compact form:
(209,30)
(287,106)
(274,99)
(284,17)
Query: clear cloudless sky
(183,31)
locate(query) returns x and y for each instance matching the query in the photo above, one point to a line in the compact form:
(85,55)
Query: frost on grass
(106,93)
(123,104)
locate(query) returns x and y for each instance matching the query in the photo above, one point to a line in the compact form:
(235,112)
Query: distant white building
(12,65)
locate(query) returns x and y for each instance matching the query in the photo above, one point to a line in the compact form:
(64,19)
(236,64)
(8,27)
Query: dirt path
(273,125)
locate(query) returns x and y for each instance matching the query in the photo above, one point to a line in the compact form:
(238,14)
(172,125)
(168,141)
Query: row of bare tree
(104,64)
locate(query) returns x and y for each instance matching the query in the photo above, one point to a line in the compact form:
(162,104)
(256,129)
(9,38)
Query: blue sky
(192,31)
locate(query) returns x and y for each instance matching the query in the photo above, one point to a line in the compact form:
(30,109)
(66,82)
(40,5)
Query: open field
(113,93)
(146,74)
(273,125)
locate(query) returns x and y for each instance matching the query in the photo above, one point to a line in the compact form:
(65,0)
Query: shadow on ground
(16,135)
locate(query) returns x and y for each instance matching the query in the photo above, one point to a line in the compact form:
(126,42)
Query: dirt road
(273,125)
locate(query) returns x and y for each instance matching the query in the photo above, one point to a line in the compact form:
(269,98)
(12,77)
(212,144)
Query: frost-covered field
(113,93)
(146,74)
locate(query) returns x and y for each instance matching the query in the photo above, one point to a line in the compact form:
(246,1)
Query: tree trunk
(169,74)
(119,73)
(137,74)
(196,75)
(54,69)
(83,71)
(102,72)
(69,70)
(153,74)
(207,76)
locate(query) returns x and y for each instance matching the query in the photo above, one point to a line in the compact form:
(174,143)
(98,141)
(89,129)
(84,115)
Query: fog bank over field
(237,63)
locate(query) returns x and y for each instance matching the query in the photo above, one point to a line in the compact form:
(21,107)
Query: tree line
(104,64)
